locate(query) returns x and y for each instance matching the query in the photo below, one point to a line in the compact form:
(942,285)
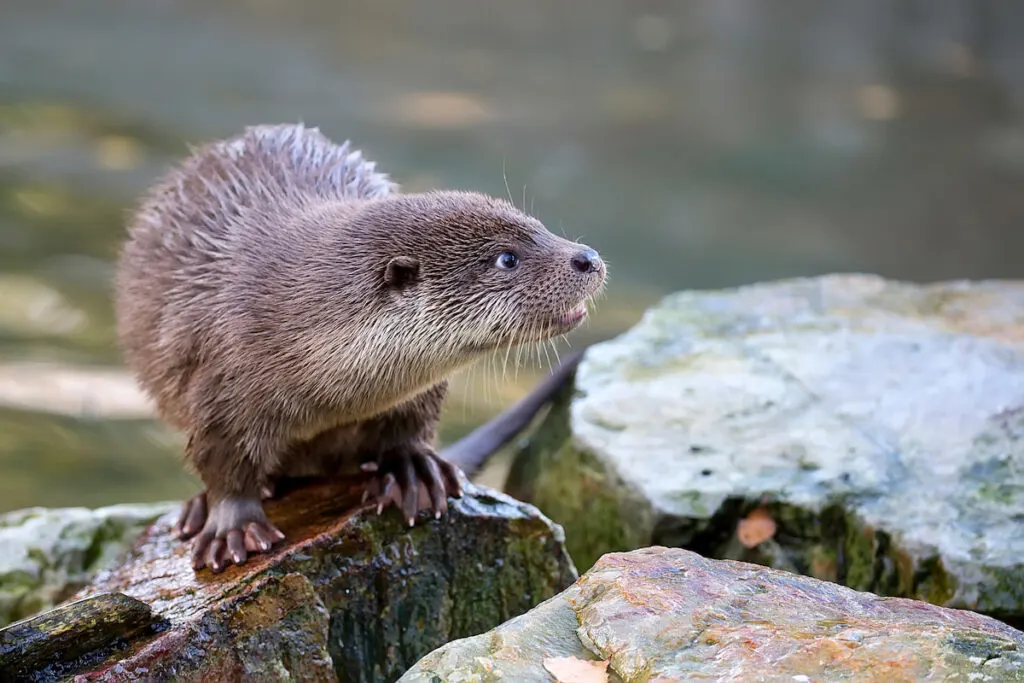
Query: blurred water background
(694,143)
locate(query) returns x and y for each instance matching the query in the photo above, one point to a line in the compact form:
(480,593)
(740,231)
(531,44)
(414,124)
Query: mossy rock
(46,554)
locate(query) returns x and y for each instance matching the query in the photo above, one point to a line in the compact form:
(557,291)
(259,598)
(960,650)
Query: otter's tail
(471,451)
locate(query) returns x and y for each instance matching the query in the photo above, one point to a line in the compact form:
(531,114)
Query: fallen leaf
(575,670)
(756,528)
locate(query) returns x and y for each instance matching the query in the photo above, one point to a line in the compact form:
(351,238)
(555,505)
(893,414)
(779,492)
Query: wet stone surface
(881,425)
(666,614)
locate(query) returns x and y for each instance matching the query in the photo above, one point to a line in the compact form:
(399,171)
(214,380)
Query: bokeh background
(696,144)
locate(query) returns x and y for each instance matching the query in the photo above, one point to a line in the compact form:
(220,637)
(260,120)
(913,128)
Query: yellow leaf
(574,670)
(757,528)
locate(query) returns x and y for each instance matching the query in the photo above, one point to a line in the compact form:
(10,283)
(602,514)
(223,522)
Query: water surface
(695,144)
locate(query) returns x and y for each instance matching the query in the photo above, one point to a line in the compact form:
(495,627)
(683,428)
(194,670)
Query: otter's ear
(401,272)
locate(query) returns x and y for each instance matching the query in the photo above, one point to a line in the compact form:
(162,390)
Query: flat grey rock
(881,423)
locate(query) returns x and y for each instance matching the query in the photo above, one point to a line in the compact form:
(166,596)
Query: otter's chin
(562,323)
(573,318)
(566,322)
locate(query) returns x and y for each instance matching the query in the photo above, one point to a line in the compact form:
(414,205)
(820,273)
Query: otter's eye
(507,260)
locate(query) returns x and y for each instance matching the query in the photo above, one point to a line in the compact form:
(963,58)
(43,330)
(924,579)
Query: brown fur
(294,313)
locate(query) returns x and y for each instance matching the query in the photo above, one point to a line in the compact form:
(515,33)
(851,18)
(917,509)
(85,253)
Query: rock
(880,424)
(666,614)
(48,554)
(349,597)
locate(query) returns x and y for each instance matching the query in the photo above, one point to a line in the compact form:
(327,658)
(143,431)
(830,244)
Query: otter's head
(488,275)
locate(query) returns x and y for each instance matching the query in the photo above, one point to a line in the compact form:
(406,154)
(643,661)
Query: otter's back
(267,169)
(174,276)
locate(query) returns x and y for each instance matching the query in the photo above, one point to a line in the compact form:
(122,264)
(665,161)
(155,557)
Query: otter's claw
(192,518)
(412,481)
(234,528)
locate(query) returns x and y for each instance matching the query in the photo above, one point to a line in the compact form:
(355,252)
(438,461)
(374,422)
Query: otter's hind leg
(413,477)
(235,523)
(409,472)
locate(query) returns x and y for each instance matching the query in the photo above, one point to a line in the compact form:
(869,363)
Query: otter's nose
(586,261)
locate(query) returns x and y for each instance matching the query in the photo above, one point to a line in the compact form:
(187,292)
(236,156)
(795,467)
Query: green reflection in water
(694,147)
(57,461)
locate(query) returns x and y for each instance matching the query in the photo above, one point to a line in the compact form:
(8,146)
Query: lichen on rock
(666,614)
(880,424)
(48,554)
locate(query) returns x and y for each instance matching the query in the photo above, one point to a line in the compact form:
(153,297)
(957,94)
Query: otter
(295,314)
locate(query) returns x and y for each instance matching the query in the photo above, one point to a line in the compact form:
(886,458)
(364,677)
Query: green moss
(574,489)
(111,538)
(823,562)
(836,545)
(1000,493)
(969,651)
(81,632)
(933,583)
(16,581)
(859,553)
(1004,592)
(468,576)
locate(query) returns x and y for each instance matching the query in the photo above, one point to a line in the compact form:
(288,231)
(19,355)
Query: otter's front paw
(413,479)
(193,512)
(234,528)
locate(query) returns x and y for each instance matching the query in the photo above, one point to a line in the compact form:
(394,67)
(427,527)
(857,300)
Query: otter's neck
(322,293)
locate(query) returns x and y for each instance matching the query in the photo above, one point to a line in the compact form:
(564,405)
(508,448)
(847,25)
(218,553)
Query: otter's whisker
(541,346)
(465,392)
(554,349)
(504,367)
(505,177)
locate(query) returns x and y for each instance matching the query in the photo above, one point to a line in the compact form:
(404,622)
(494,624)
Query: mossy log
(349,597)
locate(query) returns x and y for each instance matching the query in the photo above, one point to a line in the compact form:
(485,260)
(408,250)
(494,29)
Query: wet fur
(295,314)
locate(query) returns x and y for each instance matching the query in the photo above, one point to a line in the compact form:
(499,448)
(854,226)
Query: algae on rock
(49,645)
(881,424)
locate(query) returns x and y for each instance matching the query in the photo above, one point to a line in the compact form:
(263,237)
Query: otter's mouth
(570,320)
(541,330)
